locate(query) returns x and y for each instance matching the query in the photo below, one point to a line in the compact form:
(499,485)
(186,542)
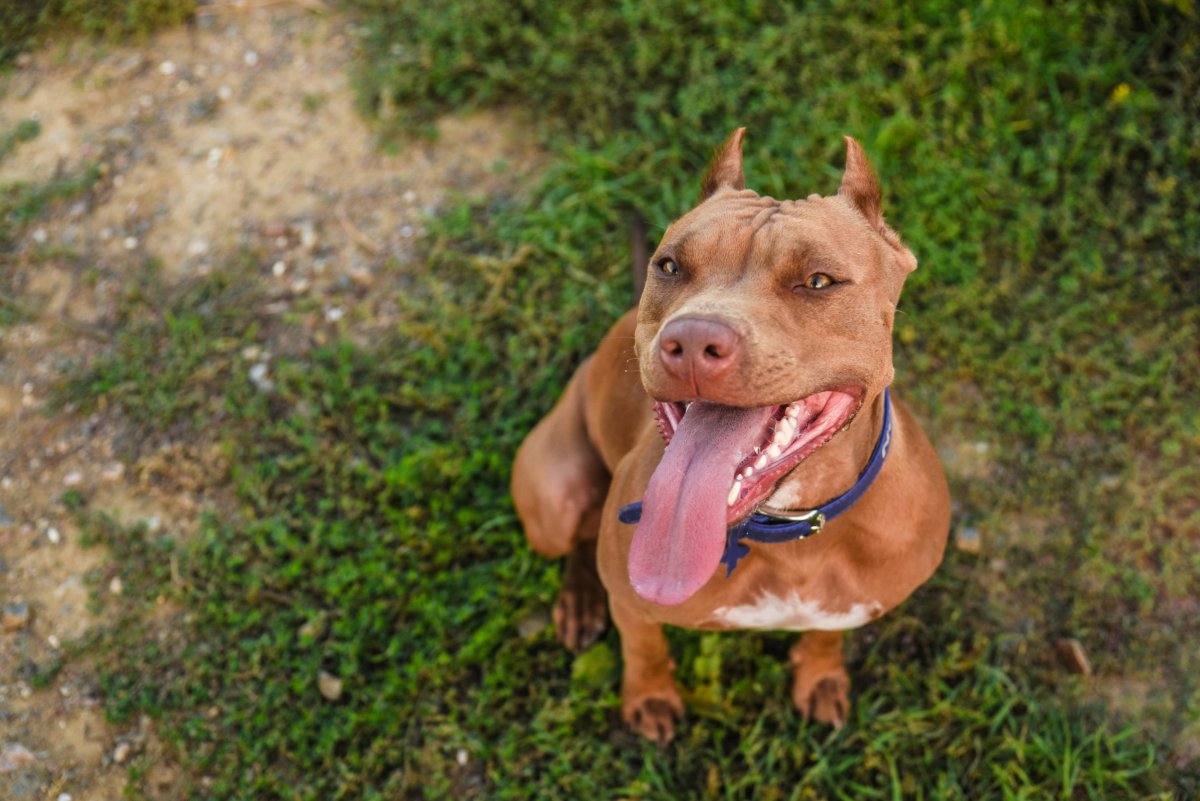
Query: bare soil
(235,134)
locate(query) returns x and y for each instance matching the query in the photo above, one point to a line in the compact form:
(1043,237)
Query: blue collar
(787,526)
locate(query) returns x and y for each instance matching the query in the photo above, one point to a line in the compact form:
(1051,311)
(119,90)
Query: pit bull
(730,457)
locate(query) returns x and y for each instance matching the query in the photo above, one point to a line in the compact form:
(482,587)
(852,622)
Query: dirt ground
(234,134)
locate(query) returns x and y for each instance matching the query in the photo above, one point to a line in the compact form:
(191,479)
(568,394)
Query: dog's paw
(654,715)
(822,695)
(580,615)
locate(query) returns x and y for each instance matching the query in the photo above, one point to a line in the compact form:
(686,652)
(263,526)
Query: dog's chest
(794,613)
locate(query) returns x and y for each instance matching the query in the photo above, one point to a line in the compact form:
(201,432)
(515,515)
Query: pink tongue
(679,541)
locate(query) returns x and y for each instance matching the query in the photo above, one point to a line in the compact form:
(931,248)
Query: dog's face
(763,328)
(806,288)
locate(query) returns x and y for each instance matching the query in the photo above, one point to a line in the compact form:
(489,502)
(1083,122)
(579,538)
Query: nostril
(715,352)
(673,348)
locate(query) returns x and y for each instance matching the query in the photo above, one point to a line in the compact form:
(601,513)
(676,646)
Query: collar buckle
(814,517)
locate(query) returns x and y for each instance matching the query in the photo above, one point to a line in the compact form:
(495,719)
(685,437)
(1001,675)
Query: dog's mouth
(792,433)
(720,464)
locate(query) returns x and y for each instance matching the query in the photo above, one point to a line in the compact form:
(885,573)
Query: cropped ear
(726,168)
(859,184)
(861,188)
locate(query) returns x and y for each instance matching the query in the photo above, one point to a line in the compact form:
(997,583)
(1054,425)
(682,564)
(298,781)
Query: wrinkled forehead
(742,228)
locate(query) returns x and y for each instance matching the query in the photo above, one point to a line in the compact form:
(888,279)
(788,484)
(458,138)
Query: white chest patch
(794,614)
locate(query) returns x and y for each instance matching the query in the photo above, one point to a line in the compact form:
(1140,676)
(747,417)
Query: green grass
(1039,160)
(28,24)
(22,203)
(175,363)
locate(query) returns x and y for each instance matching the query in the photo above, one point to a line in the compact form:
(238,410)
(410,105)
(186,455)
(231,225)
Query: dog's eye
(818,281)
(668,267)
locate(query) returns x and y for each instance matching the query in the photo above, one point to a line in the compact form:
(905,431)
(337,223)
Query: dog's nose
(698,349)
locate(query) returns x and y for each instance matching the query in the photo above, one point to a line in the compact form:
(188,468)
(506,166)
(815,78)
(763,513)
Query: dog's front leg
(820,683)
(650,702)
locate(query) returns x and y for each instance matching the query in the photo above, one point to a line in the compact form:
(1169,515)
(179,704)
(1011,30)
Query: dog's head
(763,328)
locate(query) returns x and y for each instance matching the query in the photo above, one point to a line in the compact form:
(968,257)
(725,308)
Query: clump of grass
(22,203)
(176,354)
(23,131)
(31,23)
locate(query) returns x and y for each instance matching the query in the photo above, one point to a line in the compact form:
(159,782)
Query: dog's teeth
(749,471)
(793,411)
(773,451)
(783,434)
(734,492)
(760,463)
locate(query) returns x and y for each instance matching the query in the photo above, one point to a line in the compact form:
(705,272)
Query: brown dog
(762,348)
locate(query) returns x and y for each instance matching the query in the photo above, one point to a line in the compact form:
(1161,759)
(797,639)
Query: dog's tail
(640,259)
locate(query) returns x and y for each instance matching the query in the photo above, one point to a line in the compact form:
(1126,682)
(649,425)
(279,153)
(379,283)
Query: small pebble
(53,641)
(967,539)
(278,268)
(361,277)
(72,479)
(329,685)
(14,755)
(64,797)
(308,235)
(334,313)
(16,615)
(406,231)
(251,58)
(462,757)
(40,236)
(224,93)
(410,196)
(167,68)
(116,586)
(532,624)
(121,752)
(258,377)
(130,242)
(113,471)
(53,535)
